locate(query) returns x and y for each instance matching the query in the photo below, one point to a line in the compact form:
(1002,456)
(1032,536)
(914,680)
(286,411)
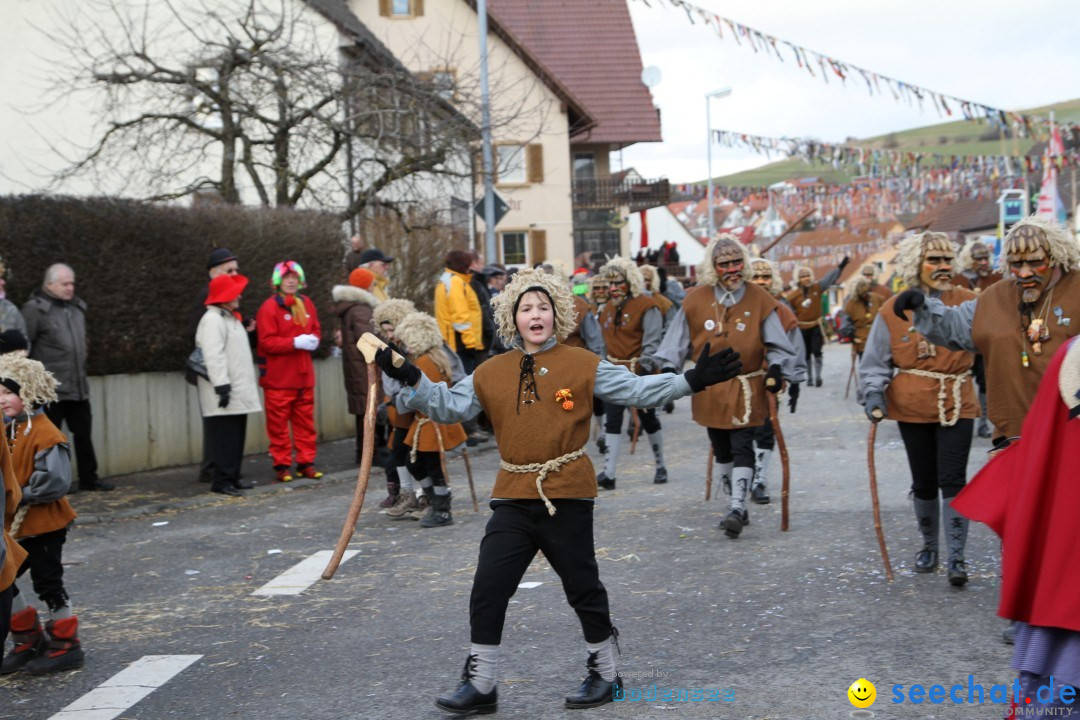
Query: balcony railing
(609,193)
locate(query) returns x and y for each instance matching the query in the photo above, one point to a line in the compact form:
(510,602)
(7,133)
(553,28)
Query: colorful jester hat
(284,268)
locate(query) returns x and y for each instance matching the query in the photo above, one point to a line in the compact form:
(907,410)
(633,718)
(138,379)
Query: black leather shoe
(96,486)
(604,482)
(732,524)
(594,691)
(228,490)
(958,576)
(661,476)
(758,495)
(745,517)
(467,700)
(926,560)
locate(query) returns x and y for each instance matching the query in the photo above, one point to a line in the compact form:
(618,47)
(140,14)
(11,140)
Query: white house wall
(665,227)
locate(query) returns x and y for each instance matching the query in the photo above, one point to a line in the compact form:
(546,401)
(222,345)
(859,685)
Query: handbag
(197,365)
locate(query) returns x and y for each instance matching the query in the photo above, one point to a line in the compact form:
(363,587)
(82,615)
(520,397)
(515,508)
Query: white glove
(305,342)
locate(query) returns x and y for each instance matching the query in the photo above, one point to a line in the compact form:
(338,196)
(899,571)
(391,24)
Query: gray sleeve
(593,336)
(457,368)
(798,369)
(652,325)
(616,384)
(779,351)
(947,326)
(876,366)
(830,279)
(676,343)
(443,404)
(51,478)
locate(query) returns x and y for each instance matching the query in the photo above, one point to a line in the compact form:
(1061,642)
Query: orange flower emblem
(563,396)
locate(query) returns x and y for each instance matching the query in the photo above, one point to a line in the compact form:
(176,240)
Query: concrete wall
(152,420)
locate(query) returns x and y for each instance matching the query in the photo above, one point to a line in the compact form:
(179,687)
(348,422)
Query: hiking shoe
(406,503)
(308,471)
(282,474)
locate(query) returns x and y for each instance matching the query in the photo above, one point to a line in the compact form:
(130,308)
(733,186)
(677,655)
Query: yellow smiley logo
(862,693)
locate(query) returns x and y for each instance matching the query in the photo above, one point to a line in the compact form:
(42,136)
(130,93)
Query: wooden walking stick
(847,390)
(874,497)
(785,465)
(367,344)
(708,476)
(468,474)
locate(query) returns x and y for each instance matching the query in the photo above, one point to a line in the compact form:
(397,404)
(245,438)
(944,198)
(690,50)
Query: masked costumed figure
(977,274)
(806,300)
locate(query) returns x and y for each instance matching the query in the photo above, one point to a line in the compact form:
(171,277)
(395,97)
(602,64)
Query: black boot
(604,482)
(732,524)
(595,690)
(927,515)
(926,560)
(956,531)
(660,477)
(467,700)
(438,514)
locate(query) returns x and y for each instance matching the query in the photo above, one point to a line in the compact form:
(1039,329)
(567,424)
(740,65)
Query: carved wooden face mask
(936,268)
(980,260)
(1027,252)
(761,274)
(730,265)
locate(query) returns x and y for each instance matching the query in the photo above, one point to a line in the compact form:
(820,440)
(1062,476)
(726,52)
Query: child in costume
(429,440)
(41,462)
(539,397)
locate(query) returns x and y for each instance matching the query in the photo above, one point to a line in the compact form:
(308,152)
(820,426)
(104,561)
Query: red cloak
(1030,496)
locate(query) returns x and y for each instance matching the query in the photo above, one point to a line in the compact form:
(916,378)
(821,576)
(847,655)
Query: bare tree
(259,100)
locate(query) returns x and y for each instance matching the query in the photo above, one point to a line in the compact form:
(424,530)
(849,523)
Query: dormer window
(401,9)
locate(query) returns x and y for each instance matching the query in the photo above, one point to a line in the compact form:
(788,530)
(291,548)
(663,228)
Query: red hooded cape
(1030,496)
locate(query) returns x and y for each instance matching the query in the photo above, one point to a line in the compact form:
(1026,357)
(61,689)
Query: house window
(510,160)
(399,8)
(584,166)
(514,248)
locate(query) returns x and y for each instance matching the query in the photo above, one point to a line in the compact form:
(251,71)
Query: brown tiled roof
(590,46)
(966,216)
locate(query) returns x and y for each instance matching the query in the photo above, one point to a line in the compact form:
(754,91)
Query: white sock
(605,658)
(740,483)
(724,469)
(485,672)
(61,612)
(405,478)
(611,459)
(656,440)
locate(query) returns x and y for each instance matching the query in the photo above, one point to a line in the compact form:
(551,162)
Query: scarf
(295,304)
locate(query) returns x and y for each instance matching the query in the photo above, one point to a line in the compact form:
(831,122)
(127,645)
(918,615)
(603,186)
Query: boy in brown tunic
(538,396)
(806,300)
(41,462)
(11,552)
(931,396)
(1016,325)
(633,327)
(725,311)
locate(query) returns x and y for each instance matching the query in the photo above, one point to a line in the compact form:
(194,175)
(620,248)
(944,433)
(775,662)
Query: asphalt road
(779,623)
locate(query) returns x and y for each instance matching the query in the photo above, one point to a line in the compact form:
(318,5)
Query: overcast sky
(1003,54)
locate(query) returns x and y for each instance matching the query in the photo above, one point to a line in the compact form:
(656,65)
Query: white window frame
(521,175)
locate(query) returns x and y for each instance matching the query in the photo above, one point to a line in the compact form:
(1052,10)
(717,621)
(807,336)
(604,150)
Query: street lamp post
(721,93)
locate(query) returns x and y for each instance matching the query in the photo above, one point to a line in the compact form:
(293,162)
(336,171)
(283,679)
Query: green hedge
(139,265)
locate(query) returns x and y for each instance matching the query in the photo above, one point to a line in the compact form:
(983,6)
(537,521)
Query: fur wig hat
(29,379)
(557,268)
(798,269)
(419,332)
(706,271)
(649,274)
(628,269)
(910,251)
(562,301)
(777,282)
(392,311)
(965,261)
(857,285)
(1062,248)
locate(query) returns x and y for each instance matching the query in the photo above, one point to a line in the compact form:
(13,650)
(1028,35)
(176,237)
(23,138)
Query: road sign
(501,208)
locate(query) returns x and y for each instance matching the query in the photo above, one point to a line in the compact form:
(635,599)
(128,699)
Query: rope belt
(744,384)
(807,324)
(542,470)
(957,385)
(632,361)
(421,422)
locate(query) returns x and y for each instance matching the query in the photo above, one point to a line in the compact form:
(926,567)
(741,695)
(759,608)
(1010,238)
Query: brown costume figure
(977,274)
(860,309)
(928,390)
(1016,325)
(869,273)
(806,301)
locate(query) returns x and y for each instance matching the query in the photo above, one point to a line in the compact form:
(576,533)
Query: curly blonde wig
(965,261)
(1059,243)
(760,265)
(628,269)
(37,386)
(392,311)
(858,285)
(561,298)
(649,274)
(557,268)
(910,252)
(419,332)
(706,270)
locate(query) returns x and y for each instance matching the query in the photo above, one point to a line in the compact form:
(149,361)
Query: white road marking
(127,687)
(302,575)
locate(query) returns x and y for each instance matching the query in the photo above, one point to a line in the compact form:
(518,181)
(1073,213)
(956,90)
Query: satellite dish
(651,76)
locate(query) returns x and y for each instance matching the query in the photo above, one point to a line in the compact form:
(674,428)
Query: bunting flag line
(760,42)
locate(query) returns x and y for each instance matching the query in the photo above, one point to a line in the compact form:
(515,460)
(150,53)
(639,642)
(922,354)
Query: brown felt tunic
(961,280)
(997,333)
(862,316)
(718,405)
(582,308)
(396,419)
(662,302)
(43,435)
(542,430)
(881,291)
(452,434)
(809,314)
(787,316)
(15,556)
(914,399)
(624,340)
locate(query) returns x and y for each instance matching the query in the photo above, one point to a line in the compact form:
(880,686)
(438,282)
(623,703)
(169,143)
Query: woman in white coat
(231,391)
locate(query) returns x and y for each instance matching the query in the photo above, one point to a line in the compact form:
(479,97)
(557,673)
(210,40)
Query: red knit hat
(361,278)
(225,288)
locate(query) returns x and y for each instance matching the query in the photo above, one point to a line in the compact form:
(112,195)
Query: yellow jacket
(458,311)
(378,288)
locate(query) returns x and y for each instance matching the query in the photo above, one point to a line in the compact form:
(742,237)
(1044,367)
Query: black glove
(908,300)
(774,379)
(844,262)
(713,369)
(223,394)
(875,403)
(381,415)
(793,396)
(407,374)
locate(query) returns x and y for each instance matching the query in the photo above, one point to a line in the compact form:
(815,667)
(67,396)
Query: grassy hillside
(952,138)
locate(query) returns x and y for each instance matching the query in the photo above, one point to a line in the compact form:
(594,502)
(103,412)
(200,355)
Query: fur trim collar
(350,293)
